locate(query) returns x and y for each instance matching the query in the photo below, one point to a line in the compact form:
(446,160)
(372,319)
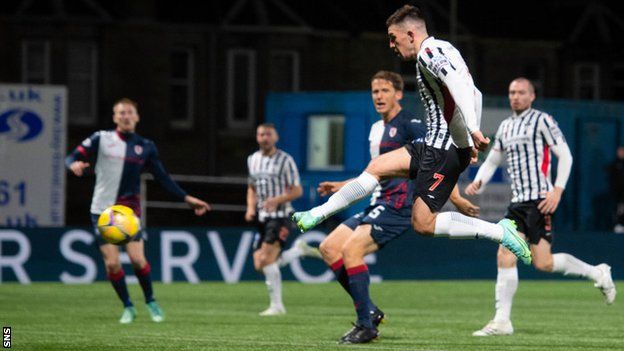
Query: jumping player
(527,138)
(120,157)
(388,215)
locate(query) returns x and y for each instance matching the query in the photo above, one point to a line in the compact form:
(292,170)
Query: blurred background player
(273,184)
(389,213)
(526,138)
(617,188)
(453,106)
(120,157)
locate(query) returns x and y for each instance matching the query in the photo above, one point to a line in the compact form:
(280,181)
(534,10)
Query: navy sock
(341,275)
(343,278)
(118,280)
(359,280)
(145,280)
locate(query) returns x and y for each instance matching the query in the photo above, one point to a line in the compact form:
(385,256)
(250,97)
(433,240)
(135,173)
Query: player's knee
(328,250)
(545,265)
(423,227)
(505,258)
(112,266)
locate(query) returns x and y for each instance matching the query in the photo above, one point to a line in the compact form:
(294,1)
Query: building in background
(201,71)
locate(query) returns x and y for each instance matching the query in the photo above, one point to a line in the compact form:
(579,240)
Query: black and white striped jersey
(526,140)
(271,176)
(451,100)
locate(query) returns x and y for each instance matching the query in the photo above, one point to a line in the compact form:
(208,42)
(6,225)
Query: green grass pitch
(422,315)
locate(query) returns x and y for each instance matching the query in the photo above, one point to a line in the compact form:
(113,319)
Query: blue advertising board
(70,255)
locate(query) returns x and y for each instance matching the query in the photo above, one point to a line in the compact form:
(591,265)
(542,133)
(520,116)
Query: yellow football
(118,224)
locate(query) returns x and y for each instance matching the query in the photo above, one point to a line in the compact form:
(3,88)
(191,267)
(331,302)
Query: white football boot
(605,283)
(307,250)
(494,328)
(273,311)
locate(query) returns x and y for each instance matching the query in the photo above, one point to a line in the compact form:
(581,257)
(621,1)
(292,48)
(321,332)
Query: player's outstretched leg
(353,191)
(298,249)
(601,274)
(457,226)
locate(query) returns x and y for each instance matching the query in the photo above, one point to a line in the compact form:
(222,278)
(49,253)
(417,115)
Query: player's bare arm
(328,188)
(462,204)
(199,206)
(292,193)
(551,201)
(481,142)
(250,214)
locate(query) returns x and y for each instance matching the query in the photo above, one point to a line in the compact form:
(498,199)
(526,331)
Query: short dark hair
(126,101)
(405,12)
(394,78)
(523,79)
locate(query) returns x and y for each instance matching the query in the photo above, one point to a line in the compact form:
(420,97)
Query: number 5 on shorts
(439,178)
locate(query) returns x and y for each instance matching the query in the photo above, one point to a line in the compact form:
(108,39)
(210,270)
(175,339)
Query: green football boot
(128,315)
(305,221)
(155,311)
(513,242)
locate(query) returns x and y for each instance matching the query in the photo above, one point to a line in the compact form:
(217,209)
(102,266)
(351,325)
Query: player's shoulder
(544,116)
(282,153)
(433,47)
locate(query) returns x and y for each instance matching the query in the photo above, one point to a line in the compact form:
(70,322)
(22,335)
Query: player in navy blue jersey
(120,156)
(389,213)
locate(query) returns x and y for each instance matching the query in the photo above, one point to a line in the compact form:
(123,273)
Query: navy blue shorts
(387,223)
(141,235)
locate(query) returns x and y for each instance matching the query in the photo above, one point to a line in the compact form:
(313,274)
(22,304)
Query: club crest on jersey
(392,132)
(138,149)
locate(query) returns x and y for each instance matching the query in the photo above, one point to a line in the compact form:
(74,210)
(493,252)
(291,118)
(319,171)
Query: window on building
(82,82)
(241,88)
(587,81)
(617,76)
(326,142)
(284,71)
(181,87)
(36,61)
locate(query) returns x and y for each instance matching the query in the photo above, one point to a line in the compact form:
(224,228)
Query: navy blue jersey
(385,137)
(119,161)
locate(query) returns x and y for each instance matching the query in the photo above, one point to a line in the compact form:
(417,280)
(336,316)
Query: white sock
(506,286)
(289,255)
(570,265)
(353,191)
(273,280)
(457,226)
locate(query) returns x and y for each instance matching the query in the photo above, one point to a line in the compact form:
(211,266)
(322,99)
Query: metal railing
(190,179)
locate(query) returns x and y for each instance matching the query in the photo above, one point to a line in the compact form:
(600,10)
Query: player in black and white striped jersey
(527,138)
(453,106)
(273,184)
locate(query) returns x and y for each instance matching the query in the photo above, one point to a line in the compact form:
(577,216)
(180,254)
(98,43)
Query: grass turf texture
(422,315)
